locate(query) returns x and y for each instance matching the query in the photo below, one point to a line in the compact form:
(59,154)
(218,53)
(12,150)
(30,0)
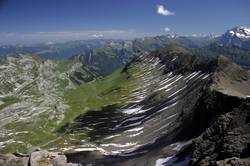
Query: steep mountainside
(106,59)
(178,96)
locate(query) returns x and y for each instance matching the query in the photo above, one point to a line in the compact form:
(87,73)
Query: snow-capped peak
(240,32)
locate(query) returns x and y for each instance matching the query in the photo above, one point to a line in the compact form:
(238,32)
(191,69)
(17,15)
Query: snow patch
(131,110)
(128,144)
(161,161)
(135,129)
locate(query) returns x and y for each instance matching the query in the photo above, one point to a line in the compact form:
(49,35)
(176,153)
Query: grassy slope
(64,65)
(94,95)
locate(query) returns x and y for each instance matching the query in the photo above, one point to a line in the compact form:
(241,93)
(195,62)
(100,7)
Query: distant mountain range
(238,36)
(103,56)
(234,44)
(57,50)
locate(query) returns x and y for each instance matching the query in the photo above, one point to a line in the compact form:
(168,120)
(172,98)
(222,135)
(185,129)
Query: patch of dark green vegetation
(8,101)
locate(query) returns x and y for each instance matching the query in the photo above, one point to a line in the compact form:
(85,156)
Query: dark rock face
(228,137)
(210,106)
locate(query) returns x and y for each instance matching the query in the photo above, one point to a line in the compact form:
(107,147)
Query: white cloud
(97,35)
(164,11)
(61,36)
(166,29)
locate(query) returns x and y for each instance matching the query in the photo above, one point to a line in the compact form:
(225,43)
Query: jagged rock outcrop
(227,141)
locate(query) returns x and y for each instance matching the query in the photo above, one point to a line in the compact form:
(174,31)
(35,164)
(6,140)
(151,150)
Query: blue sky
(28,21)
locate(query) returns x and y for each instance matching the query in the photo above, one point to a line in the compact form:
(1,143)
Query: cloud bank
(39,37)
(97,35)
(164,11)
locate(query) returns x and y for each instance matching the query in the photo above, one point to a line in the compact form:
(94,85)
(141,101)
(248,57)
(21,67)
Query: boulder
(45,158)
(12,160)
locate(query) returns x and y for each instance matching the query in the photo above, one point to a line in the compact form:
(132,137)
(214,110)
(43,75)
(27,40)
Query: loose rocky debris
(12,160)
(234,161)
(38,158)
